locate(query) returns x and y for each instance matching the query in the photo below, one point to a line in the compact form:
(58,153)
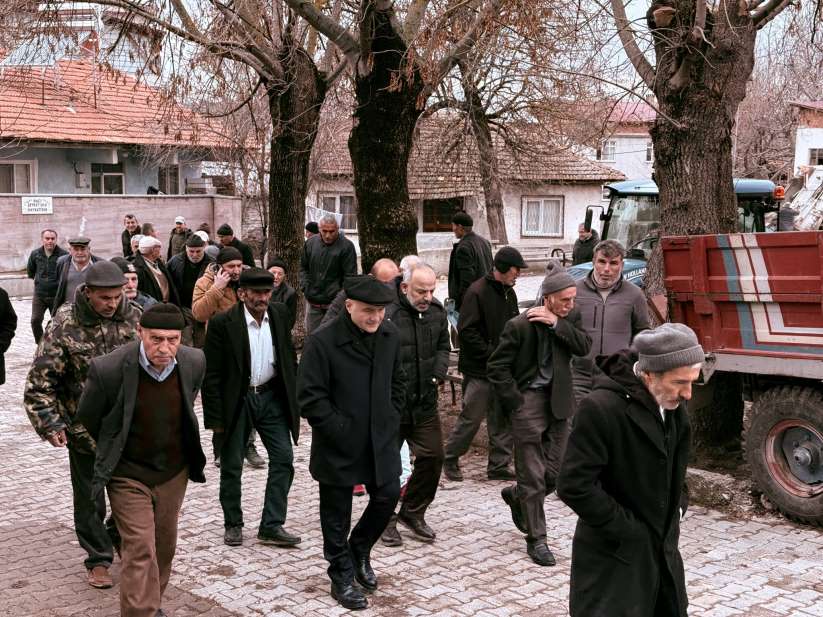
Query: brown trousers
(147,521)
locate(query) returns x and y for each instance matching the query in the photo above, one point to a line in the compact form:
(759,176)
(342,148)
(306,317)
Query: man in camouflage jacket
(100,320)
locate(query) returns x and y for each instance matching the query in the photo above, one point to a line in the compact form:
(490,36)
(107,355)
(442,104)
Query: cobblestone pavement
(478,566)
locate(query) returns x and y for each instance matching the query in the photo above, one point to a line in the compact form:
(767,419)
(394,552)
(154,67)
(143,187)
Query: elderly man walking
(99,321)
(42,267)
(153,278)
(138,406)
(72,270)
(531,375)
(250,383)
(352,389)
(327,259)
(624,476)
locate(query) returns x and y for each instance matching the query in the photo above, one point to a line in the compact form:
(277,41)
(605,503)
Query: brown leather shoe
(99,577)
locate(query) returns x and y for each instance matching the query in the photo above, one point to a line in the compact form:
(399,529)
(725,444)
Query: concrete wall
(630,156)
(805,139)
(55,168)
(100,217)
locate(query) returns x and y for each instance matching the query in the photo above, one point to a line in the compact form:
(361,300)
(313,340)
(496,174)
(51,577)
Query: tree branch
(626,34)
(768,11)
(336,33)
(414,17)
(240,106)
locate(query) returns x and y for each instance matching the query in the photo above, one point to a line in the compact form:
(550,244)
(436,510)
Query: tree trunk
(489,169)
(295,114)
(387,93)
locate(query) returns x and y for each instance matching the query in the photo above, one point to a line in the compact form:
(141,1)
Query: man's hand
(57,439)
(542,315)
(221,279)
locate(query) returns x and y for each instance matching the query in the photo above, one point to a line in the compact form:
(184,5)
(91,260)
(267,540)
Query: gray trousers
(479,403)
(539,444)
(313,318)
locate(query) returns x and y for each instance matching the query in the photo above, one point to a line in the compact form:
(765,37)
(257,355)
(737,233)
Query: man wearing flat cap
(488,304)
(250,383)
(72,270)
(470,259)
(283,293)
(624,475)
(351,388)
(225,234)
(185,269)
(530,372)
(99,321)
(138,406)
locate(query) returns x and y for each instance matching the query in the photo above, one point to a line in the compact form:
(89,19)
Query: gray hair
(610,248)
(328,219)
(409,262)
(136,238)
(407,273)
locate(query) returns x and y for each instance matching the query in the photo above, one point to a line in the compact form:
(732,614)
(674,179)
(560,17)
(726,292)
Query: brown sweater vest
(154,450)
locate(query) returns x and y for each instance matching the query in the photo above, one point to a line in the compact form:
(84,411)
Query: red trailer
(756,304)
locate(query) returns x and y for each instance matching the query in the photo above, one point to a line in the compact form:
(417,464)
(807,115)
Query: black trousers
(269,415)
(89,515)
(426,441)
(39,306)
(335,522)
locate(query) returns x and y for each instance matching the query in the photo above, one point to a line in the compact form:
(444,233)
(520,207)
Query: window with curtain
(542,217)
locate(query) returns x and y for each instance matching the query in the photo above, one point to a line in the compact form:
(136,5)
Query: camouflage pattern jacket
(72,338)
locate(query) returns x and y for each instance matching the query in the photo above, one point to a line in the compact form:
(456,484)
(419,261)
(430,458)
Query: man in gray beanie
(624,475)
(530,372)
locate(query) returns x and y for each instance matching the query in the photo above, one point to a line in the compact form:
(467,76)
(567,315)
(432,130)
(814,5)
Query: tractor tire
(784,446)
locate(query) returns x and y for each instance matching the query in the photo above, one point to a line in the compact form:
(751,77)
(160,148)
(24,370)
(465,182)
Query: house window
(542,217)
(168,179)
(649,151)
(437,213)
(342,204)
(107,179)
(17,177)
(816,156)
(607,150)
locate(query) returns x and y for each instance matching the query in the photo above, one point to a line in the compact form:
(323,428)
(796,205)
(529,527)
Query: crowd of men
(579,395)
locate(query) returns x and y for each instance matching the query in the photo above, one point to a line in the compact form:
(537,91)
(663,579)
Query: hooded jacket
(624,476)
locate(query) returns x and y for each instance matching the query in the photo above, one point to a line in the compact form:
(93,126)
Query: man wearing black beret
(227,238)
(138,405)
(250,383)
(351,389)
(470,259)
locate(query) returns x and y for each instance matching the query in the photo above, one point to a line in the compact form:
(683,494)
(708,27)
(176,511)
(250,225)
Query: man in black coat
(352,389)
(624,475)
(131,228)
(583,249)
(8,325)
(138,405)
(226,236)
(530,372)
(42,267)
(424,349)
(184,270)
(488,304)
(470,259)
(250,383)
(153,277)
(283,293)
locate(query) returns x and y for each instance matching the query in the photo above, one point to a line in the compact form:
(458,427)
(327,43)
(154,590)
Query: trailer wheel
(784,444)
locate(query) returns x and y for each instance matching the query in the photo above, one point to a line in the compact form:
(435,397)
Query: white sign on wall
(33,204)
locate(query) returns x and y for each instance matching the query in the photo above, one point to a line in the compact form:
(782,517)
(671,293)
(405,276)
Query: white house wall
(805,139)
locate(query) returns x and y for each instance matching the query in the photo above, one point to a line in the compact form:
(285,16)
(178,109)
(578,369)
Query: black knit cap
(256,278)
(227,254)
(368,289)
(225,230)
(124,264)
(313,227)
(462,218)
(275,262)
(195,241)
(162,316)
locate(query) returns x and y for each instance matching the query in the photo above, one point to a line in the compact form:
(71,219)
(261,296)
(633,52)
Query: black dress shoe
(502,474)
(417,526)
(363,573)
(348,596)
(390,536)
(451,469)
(513,502)
(253,458)
(540,554)
(233,536)
(277,537)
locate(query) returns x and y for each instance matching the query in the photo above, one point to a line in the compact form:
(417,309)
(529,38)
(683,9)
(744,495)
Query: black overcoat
(8,324)
(106,408)
(353,404)
(624,475)
(228,366)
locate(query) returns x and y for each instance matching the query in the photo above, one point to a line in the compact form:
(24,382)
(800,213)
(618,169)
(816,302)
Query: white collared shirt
(153,373)
(261,349)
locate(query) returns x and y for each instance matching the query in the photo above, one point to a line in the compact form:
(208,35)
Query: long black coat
(624,475)
(470,259)
(353,404)
(148,284)
(228,366)
(106,408)
(8,324)
(513,365)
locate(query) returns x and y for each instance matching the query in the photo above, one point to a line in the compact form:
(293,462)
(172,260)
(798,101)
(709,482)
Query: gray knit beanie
(556,278)
(666,347)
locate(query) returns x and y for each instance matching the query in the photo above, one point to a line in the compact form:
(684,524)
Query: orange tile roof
(83,102)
